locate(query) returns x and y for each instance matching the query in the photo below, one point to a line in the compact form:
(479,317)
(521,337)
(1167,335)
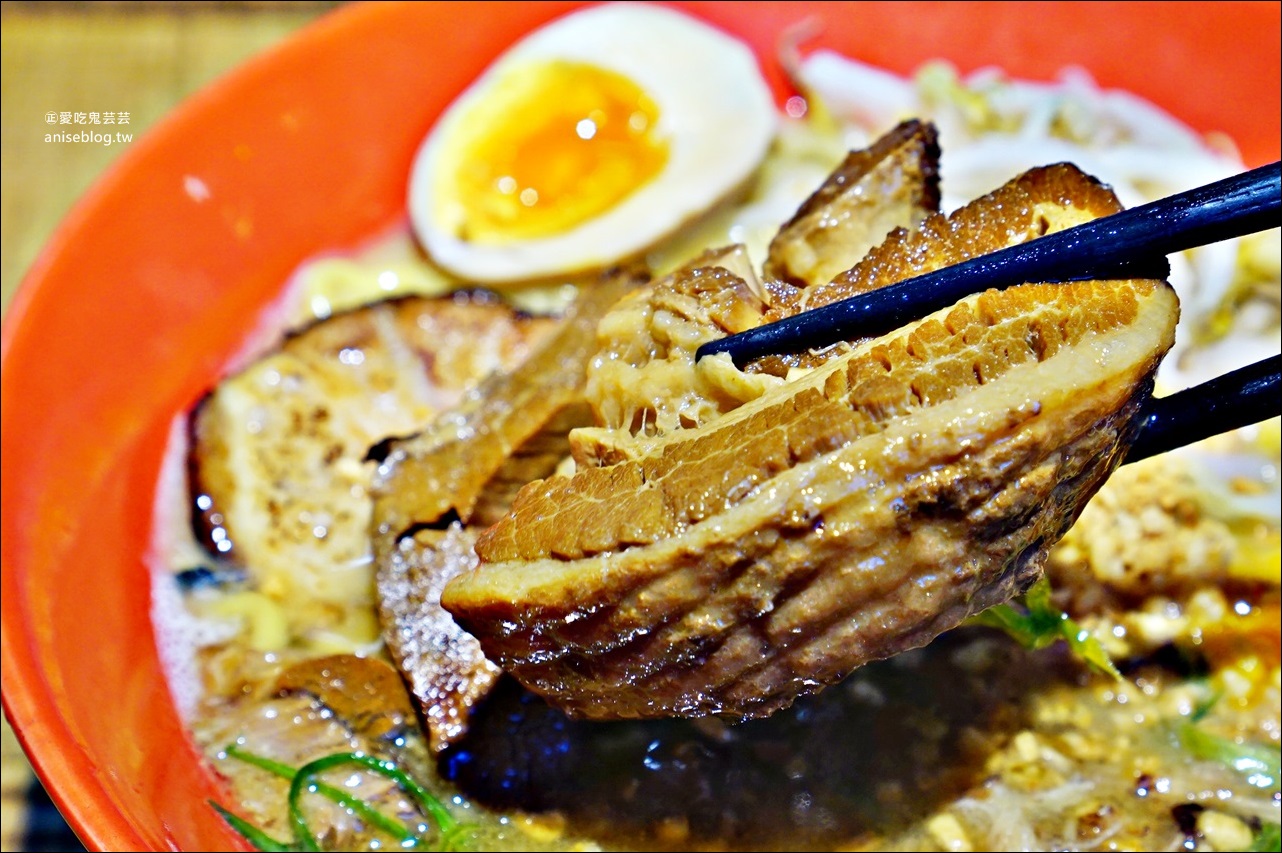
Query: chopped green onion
(251,833)
(260,761)
(1259,764)
(370,814)
(1039,624)
(1203,708)
(304,779)
(1267,838)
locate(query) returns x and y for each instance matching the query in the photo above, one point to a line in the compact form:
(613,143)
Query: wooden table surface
(135,58)
(118,58)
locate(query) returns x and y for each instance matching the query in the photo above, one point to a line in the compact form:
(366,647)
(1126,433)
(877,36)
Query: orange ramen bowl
(146,291)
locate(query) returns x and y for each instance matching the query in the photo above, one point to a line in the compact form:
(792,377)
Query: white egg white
(715,111)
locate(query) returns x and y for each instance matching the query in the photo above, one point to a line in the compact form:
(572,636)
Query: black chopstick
(1237,399)
(1130,244)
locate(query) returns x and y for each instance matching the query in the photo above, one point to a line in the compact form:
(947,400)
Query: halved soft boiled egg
(588,141)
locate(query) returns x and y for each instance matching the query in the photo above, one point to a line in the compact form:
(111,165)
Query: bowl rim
(75,784)
(49,745)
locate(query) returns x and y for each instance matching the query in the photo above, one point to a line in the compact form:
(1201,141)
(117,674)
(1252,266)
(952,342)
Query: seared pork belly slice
(643,376)
(278,451)
(1037,202)
(855,512)
(644,379)
(436,490)
(365,694)
(892,184)
(443,665)
(317,708)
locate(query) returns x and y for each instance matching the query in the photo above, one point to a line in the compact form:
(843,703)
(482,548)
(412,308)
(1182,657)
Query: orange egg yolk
(554,145)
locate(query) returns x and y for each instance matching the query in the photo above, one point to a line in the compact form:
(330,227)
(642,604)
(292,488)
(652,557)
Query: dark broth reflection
(868,755)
